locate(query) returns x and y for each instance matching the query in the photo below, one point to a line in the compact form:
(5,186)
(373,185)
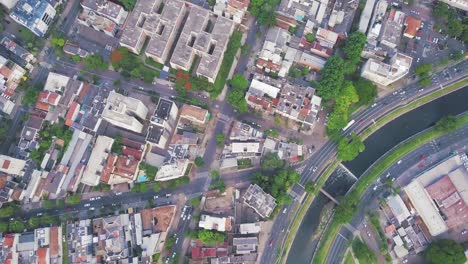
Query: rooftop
(263,203)
(392,29)
(123,111)
(158,219)
(36,15)
(412,26)
(221,224)
(194,113)
(107,9)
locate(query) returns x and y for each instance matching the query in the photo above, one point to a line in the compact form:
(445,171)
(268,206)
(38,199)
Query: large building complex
(157,20)
(36,15)
(206,36)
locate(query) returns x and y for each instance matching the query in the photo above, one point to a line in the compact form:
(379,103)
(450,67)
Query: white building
(97,160)
(221,224)
(123,112)
(398,208)
(386,74)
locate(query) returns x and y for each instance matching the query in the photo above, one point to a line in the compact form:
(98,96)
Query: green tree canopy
(95,62)
(332,73)
(211,237)
(128,4)
(310,187)
(446,124)
(238,81)
(354,45)
(350,149)
(74,199)
(265,11)
(271,162)
(362,252)
(366,91)
(236,98)
(423,69)
(16,226)
(199,162)
(445,251)
(310,37)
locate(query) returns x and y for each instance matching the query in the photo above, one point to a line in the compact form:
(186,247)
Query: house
(107,9)
(71,48)
(460,4)
(261,95)
(251,228)
(102,24)
(18,51)
(46,101)
(11,75)
(193,114)
(310,61)
(203,35)
(125,112)
(245,245)
(35,15)
(221,224)
(172,170)
(162,123)
(326,37)
(274,48)
(233,9)
(412,25)
(299,104)
(12,166)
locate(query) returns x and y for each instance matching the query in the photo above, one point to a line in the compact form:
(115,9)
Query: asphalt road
(365,118)
(442,147)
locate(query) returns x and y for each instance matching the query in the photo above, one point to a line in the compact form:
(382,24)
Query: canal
(377,144)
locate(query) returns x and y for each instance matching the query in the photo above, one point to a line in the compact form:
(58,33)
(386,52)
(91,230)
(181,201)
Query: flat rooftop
(204,35)
(155,19)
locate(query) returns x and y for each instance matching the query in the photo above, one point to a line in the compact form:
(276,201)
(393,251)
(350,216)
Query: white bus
(349,124)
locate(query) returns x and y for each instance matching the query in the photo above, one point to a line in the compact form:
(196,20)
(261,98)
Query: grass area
(244,163)
(363,253)
(415,104)
(303,209)
(349,259)
(365,180)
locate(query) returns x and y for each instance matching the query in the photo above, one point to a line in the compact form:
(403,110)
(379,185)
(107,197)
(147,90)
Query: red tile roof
(132,152)
(107,170)
(53,244)
(268,65)
(6,164)
(8,240)
(259,101)
(412,25)
(41,255)
(74,108)
(126,167)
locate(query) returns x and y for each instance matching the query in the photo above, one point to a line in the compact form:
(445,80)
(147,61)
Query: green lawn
(349,259)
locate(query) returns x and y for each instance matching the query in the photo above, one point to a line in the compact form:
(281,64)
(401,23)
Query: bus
(349,124)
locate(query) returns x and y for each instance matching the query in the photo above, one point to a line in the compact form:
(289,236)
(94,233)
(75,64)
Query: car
(271,243)
(87,205)
(314,169)
(177,240)
(156,196)
(418,37)
(98,198)
(92,208)
(402,92)
(395,93)
(399,162)
(418,60)
(421,90)
(92,199)
(168,195)
(284,210)
(365,225)
(119,193)
(375,188)
(374,105)
(173,255)
(68,209)
(39,214)
(368,234)
(464,232)
(189,216)
(318,119)
(405,260)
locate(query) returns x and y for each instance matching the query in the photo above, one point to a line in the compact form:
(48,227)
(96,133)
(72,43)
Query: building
(125,112)
(71,48)
(206,36)
(377,21)
(326,37)
(310,61)
(221,224)
(12,166)
(251,228)
(439,195)
(412,25)
(460,4)
(194,114)
(262,202)
(35,15)
(261,95)
(391,35)
(9,4)
(11,75)
(245,148)
(244,132)
(162,123)
(366,16)
(172,170)
(17,50)
(245,245)
(385,74)
(80,242)
(233,9)
(157,20)
(97,160)
(107,9)
(100,23)
(113,237)
(398,208)
(270,58)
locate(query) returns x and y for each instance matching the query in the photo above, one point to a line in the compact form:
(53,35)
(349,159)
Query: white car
(39,214)
(98,198)
(314,169)
(374,105)
(92,199)
(92,208)
(464,232)
(399,162)
(87,205)
(119,193)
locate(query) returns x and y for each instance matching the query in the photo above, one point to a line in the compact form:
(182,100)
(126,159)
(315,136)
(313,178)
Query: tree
(3,226)
(95,62)
(238,81)
(16,226)
(440,10)
(150,170)
(57,42)
(140,187)
(271,162)
(117,146)
(236,98)
(445,251)
(76,58)
(458,54)
(423,69)
(74,199)
(310,37)
(332,73)
(199,162)
(454,28)
(195,202)
(349,150)
(30,96)
(366,91)
(7,211)
(362,252)
(265,11)
(310,187)
(214,174)
(34,222)
(220,139)
(354,45)
(425,81)
(446,124)
(128,4)
(211,237)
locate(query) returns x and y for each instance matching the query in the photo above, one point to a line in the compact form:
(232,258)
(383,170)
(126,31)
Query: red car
(271,243)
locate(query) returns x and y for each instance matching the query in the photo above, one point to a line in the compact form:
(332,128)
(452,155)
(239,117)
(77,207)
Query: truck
(349,125)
